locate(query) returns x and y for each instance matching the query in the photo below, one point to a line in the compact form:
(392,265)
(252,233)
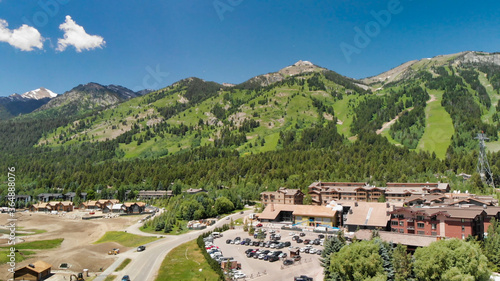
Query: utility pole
(483,167)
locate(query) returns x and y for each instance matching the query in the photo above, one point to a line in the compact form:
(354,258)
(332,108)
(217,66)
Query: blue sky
(153,43)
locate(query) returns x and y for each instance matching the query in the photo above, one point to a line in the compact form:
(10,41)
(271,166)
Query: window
(420,218)
(463,236)
(463,227)
(463,220)
(421,232)
(401,230)
(401,216)
(420,225)
(434,233)
(402,223)
(433,226)
(394,222)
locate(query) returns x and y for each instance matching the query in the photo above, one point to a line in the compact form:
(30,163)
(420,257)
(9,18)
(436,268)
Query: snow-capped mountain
(39,93)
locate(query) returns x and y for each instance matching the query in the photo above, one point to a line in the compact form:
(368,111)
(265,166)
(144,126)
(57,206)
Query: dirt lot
(77,249)
(264,270)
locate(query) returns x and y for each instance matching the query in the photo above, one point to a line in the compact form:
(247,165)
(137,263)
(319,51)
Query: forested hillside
(288,128)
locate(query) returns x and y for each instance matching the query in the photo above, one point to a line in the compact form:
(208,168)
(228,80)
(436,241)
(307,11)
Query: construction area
(76,252)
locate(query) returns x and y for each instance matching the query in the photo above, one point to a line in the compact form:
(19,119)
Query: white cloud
(24,38)
(75,35)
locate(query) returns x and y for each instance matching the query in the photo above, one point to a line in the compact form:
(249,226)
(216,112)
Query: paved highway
(145,265)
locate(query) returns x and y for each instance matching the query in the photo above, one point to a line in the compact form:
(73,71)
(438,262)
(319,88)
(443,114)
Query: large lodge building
(324,192)
(419,209)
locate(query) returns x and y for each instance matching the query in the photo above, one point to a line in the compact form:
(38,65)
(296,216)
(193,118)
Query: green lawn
(123,264)
(344,114)
(386,134)
(186,262)
(438,127)
(31,231)
(488,116)
(20,256)
(25,249)
(125,239)
(175,230)
(40,245)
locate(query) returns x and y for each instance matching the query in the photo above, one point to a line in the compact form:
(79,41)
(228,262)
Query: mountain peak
(299,67)
(303,63)
(39,93)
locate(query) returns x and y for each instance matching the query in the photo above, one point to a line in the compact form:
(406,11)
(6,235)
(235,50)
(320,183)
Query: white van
(216,234)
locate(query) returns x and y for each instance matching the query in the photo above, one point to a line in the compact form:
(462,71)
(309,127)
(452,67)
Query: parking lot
(260,269)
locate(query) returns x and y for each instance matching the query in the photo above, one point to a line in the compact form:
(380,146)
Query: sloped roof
(117,206)
(40,266)
(369,214)
(397,238)
(313,211)
(272,211)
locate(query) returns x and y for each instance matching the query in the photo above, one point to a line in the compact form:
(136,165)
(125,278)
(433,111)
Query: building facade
(323,193)
(282,196)
(451,222)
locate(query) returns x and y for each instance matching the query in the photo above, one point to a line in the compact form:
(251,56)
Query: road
(145,265)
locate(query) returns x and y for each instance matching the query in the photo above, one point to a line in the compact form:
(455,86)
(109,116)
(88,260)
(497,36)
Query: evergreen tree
(491,245)
(402,263)
(331,245)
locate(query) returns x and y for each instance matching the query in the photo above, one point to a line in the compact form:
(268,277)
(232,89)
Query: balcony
(410,227)
(409,220)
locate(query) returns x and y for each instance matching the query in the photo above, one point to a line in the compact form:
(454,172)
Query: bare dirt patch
(77,248)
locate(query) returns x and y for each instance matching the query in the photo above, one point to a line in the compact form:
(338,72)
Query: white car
(313,251)
(239,275)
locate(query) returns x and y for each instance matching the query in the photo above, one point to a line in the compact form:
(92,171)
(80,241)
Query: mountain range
(435,104)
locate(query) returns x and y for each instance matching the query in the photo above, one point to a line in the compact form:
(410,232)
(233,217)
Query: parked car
(297,258)
(248,251)
(302,234)
(302,278)
(282,255)
(141,248)
(239,275)
(287,262)
(321,236)
(307,241)
(299,240)
(125,278)
(287,244)
(228,241)
(273,258)
(259,225)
